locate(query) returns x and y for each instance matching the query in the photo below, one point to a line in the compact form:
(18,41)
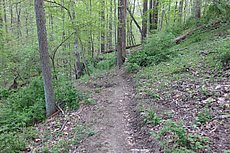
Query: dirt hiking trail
(113,117)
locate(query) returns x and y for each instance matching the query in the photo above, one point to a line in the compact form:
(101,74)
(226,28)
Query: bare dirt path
(111,117)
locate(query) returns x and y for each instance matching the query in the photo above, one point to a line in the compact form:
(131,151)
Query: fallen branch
(179,39)
(128,47)
(63,113)
(63,126)
(54,114)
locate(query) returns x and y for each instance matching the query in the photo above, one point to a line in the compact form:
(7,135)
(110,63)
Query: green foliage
(132,67)
(152,117)
(4,93)
(218,9)
(156,50)
(26,106)
(224,56)
(180,140)
(203,116)
(67,96)
(10,142)
(105,62)
(79,133)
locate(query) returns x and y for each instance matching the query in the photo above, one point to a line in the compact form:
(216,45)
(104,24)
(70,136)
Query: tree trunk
(197,8)
(102,26)
(110,38)
(181,10)
(153,17)
(44,57)
(121,47)
(18,13)
(91,34)
(144,20)
(1,28)
(115,24)
(5,17)
(162,17)
(175,13)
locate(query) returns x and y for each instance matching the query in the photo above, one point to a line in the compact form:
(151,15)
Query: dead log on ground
(128,47)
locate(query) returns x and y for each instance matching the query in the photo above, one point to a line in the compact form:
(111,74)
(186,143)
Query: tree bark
(181,10)
(121,50)
(44,57)
(5,17)
(197,8)
(144,20)
(154,15)
(102,26)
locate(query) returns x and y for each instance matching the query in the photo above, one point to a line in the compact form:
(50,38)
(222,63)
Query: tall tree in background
(1,28)
(121,46)
(197,8)
(44,57)
(144,20)
(102,26)
(153,16)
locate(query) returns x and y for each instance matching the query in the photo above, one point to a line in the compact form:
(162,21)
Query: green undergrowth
(173,136)
(66,144)
(22,108)
(162,62)
(211,50)
(179,140)
(102,64)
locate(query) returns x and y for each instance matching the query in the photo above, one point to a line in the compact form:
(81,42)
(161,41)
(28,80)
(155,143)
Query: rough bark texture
(121,50)
(44,57)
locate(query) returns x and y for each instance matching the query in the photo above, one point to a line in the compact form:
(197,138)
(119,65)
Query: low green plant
(132,67)
(218,9)
(179,140)
(79,133)
(203,116)
(151,117)
(153,95)
(11,142)
(107,61)
(26,106)
(156,50)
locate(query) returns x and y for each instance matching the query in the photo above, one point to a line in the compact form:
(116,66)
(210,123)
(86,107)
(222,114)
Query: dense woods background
(86,37)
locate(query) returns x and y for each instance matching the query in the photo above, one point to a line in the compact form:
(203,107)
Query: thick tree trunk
(121,50)
(44,57)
